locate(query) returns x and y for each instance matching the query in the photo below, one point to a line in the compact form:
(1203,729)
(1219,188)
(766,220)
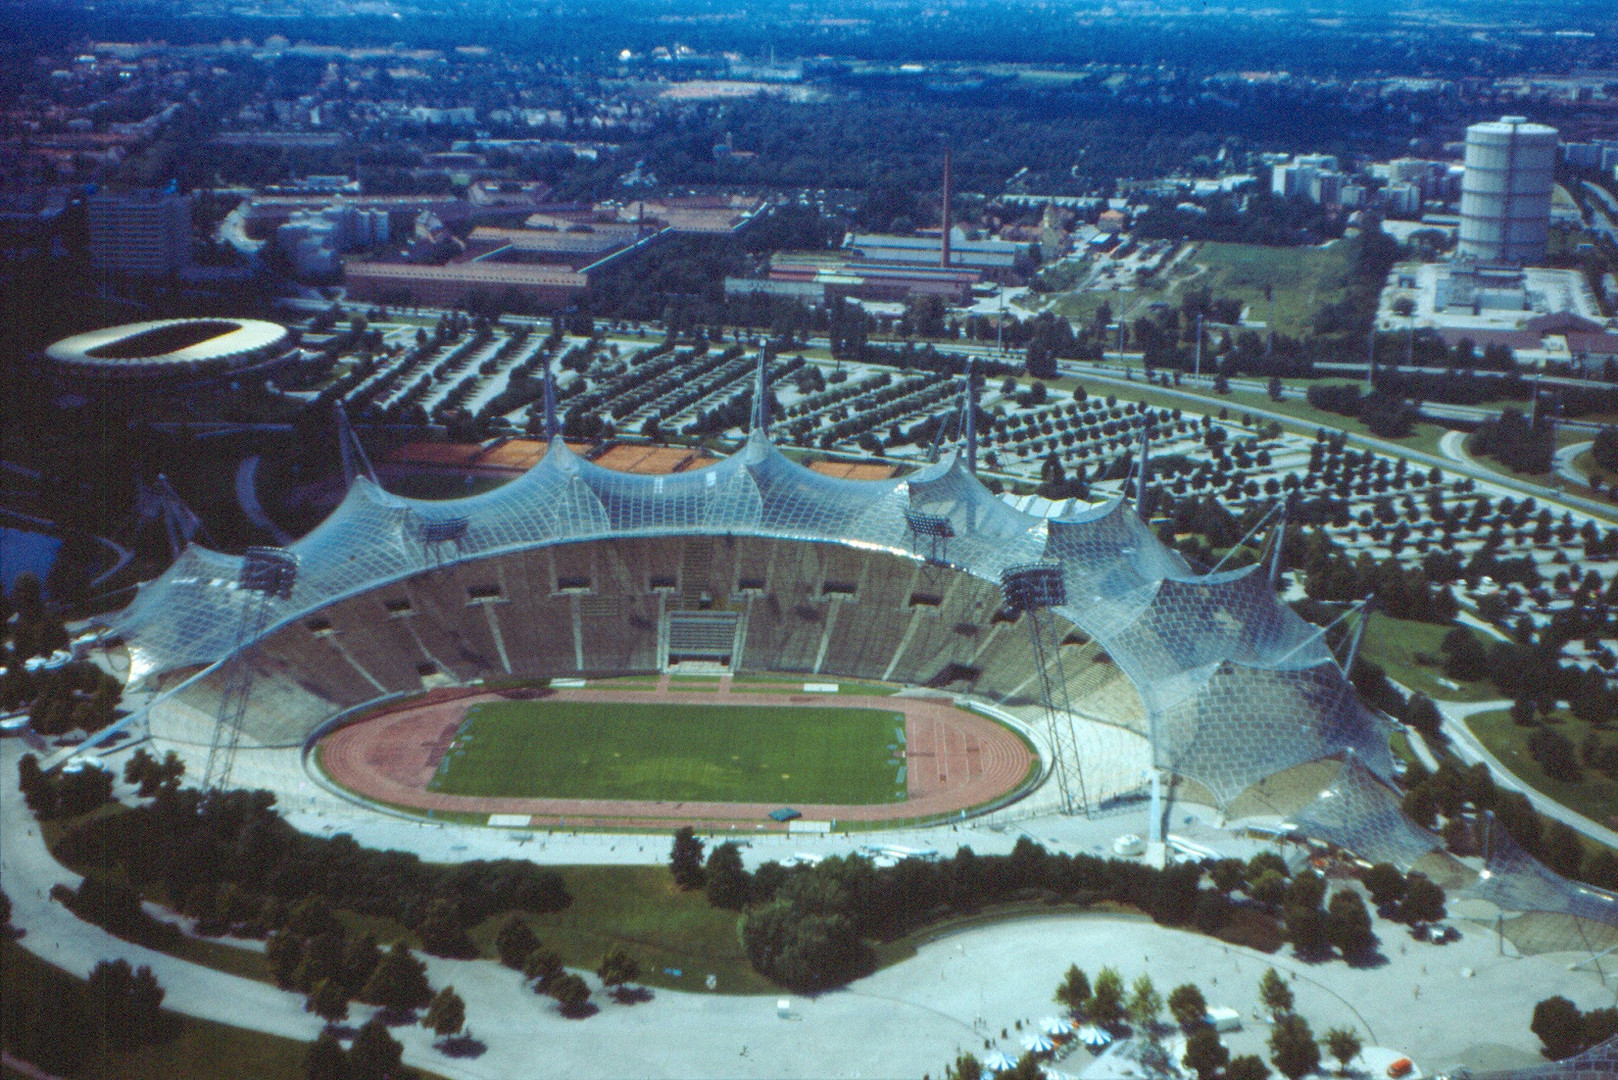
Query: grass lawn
(720,753)
(1304,279)
(1596,797)
(1407,650)
(638,908)
(194,1050)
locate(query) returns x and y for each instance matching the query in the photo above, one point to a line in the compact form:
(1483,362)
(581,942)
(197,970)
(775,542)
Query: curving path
(957,760)
(1469,748)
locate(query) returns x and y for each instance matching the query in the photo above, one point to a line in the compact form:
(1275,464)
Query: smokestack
(944,250)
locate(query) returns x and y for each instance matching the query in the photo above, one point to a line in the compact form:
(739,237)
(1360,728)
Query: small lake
(22,551)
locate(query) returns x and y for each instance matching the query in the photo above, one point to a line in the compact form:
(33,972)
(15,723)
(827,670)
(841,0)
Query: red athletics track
(957,760)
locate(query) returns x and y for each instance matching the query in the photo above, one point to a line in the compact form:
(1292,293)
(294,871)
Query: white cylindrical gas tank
(1506,190)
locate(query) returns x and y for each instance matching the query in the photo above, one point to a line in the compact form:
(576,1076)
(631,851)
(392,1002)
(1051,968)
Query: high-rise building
(140,232)
(1506,191)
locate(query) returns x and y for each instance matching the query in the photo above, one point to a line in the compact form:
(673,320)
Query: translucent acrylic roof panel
(1249,723)
(188,615)
(1514,880)
(365,540)
(1236,687)
(1600,1062)
(989,535)
(1361,814)
(1180,624)
(720,497)
(1108,553)
(801,502)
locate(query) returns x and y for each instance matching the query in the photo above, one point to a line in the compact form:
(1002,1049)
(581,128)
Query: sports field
(676,753)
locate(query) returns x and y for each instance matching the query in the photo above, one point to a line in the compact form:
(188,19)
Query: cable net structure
(1230,686)
(1558,915)
(1361,814)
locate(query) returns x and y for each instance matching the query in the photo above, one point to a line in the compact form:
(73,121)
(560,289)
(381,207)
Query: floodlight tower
(433,534)
(1030,589)
(936,529)
(268,573)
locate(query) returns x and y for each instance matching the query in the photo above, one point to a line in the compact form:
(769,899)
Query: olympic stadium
(1082,635)
(170,350)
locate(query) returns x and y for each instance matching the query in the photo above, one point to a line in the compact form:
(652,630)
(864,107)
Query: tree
(1212,911)
(376,1054)
(685,861)
(1268,888)
(541,966)
(1107,999)
(1228,875)
(1274,992)
(1385,883)
(328,1000)
(966,1067)
(1306,890)
(617,968)
(399,983)
(1205,1055)
(326,1059)
(514,941)
(446,1016)
(1348,924)
(1344,1045)
(1307,930)
(1560,1027)
(1247,1067)
(571,993)
(1188,1007)
(728,884)
(1074,993)
(125,1006)
(442,933)
(1423,902)
(1145,1005)
(1293,1049)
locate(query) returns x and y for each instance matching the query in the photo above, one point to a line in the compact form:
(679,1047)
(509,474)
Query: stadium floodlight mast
(267,574)
(1030,589)
(434,533)
(936,528)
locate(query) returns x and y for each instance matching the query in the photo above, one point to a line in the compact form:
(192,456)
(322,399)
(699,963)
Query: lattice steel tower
(1029,590)
(267,573)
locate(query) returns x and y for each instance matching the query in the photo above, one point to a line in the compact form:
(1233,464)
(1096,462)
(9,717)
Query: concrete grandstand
(757,564)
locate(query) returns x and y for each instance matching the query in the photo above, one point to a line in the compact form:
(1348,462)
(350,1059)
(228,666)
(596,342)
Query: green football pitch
(676,753)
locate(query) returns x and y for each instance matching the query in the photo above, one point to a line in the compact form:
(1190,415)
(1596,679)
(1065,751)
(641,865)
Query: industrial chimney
(943,259)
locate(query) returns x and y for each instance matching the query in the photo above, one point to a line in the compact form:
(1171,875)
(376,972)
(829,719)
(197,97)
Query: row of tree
(180,845)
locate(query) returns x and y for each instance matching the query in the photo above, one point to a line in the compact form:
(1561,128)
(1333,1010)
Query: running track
(957,760)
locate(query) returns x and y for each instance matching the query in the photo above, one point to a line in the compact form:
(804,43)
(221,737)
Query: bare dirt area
(956,760)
